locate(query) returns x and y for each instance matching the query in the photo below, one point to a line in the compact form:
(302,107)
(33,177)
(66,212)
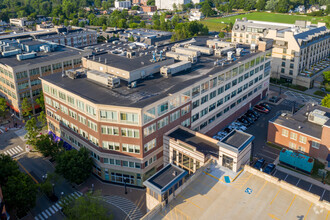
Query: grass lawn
(262,16)
(320,93)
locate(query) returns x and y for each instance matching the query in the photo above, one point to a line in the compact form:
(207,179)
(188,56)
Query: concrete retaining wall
(287,186)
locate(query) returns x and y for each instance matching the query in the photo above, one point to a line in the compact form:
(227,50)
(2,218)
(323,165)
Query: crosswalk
(21,134)
(14,152)
(130,209)
(57,206)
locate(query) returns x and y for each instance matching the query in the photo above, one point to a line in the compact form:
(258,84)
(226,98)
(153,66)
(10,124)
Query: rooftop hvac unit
(253,47)
(11,53)
(113,81)
(317,111)
(239,51)
(26,56)
(230,55)
(317,118)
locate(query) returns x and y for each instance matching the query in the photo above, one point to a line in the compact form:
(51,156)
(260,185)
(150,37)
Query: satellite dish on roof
(236,27)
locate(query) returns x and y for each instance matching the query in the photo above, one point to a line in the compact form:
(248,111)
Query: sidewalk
(137,196)
(303,177)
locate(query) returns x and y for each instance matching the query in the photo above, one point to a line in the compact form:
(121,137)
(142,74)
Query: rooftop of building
(59,52)
(165,178)
(237,140)
(201,144)
(148,90)
(299,120)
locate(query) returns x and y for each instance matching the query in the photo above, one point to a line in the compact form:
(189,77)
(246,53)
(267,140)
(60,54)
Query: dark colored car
(253,112)
(270,168)
(243,121)
(250,120)
(261,109)
(227,130)
(250,115)
(259,164)
(274,99)
(265,105)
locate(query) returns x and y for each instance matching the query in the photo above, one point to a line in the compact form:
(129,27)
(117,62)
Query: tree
(282,6)
(26,107)
(151,2)
(66,22)
(41,101)
(8,167)
(104,27)
(87,207)
(142,24)
(326,76)
(48,147)
(221,34)
(20,193)
(271,4)
(32,131)
(42,119)
(3,107)
(207,9)
(174,7)
(136,7)
(75,166)
(326,101)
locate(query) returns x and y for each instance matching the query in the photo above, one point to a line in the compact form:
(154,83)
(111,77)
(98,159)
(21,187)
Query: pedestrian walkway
(14,152)
(21,133)
(57,206)
(130,209)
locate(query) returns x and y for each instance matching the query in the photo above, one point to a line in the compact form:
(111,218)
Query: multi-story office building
(307,131)
(22,62)
(161,4)
(121,108)
(123,4)
(297,48)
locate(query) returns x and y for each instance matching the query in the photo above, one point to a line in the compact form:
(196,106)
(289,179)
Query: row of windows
(302,139)
(8,92)
(6,72)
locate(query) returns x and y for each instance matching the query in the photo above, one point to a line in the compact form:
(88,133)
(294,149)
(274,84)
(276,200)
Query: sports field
(216,24)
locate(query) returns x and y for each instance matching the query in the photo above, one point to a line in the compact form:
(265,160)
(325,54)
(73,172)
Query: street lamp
(125,181)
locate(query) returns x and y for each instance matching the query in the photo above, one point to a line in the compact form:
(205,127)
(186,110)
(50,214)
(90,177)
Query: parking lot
(323,193)
(301,98)
(249,197)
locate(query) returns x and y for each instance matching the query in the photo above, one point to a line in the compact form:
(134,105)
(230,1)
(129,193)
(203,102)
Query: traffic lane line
(291,203)
(273,216)
(27,172)
(308,210)
(185,199)
(246,181)
(263,186)
(278,191)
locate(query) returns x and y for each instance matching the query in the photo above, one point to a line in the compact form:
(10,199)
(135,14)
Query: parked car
(259,164)
(244,121)
(253,112)
(250,115)
(248,119)
(265,105)
(270,168)
(261,109)
(227,130)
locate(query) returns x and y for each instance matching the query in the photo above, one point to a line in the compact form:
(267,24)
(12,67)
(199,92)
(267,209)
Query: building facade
(20,22)
(306,131)
(296,49)
(123,126)
(19,78)
(123,4)
(169,4)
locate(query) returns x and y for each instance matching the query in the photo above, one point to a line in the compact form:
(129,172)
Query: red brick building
(149,8)
(140,2)
(307,131)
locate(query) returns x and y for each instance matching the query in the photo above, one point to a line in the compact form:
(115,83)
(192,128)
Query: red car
(260,108)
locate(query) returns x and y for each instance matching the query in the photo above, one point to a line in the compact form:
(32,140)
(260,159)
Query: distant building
(300,9)
(313,8)
(297,47)
(195,15)
(140,2)
(163,4)
(123,4)
(149,8)
(148,36)
(323,7)
(20,22)
(307,131)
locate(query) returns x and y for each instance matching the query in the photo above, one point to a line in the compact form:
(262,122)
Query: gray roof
(202,145)
(60,53)
(236,139)
(242,25)
(300,123)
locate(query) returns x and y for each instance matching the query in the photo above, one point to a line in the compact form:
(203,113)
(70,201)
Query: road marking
(326,218)
(270,152)
(48,213)
(310,187)
(27,171)
(298,182)
(308,210)
(11,152)
(20,147)
(58,206)
(261,188)
(39,217)
(291,203)
(273,216)
(44,214)
(274,172)
(52,210)
(286,177)
(276,195)
(239,173)
(54,207)
(323,193)
(246,180)
(190,202)
(13,149)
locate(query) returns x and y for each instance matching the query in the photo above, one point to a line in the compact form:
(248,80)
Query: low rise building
(195,15)
(297,48)
(120,107)
(123,4)
(22,62)
(161,4)
(20,22)
(306,131)
(149,8)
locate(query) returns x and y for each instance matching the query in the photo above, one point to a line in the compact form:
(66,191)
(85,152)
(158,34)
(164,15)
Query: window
(48,101)
(131,118)
(195,91)
(292,145)
(204,112)
(185,110)
(84,133)
(174,116)
(82,119)
(46,88)
(92,125)
(56,105)
(293,136)
(212,107)
(162,123)
(195,117)
(186,122)
(213,83)
(221,90)
(21,75)
(149,130)
(219,102)
(227,86)
(73,114)
(213,94)
(34,72)
(233,94)
(130,148)
(185,97)
(57,66)
(109,130)
(149,115)
(221,78)
(285,133)
(205,87)
(302,139)
(108,115)
(234,82)
(80,105)
(62,96)
(151,144)
(302,149)
(128,132)
(94,140)
(45,69)
(90,110)
(111,145)
(71,100)
(227,97)
(315,145)
(174,103)
(204,99)
(162,108)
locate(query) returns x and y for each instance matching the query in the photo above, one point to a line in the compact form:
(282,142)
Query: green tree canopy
(8,167)
(48,147)
(41,101)
(75,166)
(3,107)
(221,34)
(326,101)
(32,131)
(207,9)
(26,107)
(326,75)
